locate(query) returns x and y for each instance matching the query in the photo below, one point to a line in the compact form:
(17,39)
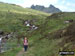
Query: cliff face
(50,9)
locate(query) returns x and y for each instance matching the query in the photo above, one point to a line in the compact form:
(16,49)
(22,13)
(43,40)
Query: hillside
(12,18)
(50,9)
(54,36)
(18,9)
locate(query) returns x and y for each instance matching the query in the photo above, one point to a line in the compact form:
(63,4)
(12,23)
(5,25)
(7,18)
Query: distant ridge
(50,9)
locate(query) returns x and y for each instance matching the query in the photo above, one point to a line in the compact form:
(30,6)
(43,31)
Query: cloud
(70,4)
(67,7)
(62,7)
(28,3)
(63,1)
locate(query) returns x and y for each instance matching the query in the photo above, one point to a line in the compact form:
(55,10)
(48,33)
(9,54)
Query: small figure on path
(25,44)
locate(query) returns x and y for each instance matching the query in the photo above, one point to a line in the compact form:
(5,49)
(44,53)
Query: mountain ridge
(50,9)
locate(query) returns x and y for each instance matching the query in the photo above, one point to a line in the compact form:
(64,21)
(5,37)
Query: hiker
(25,44)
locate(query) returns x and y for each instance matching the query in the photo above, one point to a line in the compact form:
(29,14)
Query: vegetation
(47,40)
(11,17)
(12,52)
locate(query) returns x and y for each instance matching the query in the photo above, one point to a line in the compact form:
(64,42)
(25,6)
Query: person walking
(25,44)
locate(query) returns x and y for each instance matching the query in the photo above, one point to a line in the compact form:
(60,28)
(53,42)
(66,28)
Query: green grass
(43,43)
(12,52)
(10,16)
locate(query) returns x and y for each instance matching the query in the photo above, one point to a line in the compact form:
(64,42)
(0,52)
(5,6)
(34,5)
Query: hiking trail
(21,53)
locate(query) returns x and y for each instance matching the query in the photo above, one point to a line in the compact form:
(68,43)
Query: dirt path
(21,53)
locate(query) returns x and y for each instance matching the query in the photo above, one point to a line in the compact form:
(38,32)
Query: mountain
(50,9)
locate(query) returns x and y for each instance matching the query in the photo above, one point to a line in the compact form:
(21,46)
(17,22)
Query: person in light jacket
(25,44)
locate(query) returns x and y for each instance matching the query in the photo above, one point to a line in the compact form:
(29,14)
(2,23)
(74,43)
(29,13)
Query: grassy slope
(9,21)
(42,41)
(10,15)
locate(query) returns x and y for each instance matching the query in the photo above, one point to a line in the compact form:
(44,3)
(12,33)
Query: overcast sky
(64,5)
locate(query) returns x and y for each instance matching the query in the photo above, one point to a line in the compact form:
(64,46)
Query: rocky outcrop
(50,9)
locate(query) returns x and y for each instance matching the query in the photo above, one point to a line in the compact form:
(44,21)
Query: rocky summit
(50,9)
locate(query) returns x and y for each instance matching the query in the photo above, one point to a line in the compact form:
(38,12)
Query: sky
(64,5)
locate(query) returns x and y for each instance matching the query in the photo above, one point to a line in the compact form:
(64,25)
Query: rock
(1,32)
(66,22)
(69,21)
(36,28)
(28,25)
